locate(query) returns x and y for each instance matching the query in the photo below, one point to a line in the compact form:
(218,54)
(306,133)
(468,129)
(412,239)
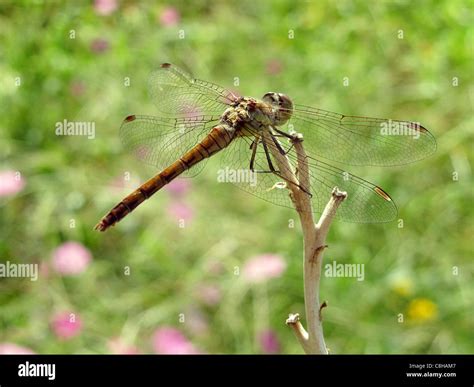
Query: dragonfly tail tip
(100,226)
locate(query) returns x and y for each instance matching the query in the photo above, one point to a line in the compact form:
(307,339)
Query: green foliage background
(413,78)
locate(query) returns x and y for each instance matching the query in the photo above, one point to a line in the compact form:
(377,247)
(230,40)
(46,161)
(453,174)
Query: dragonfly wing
(366,202)
(177,93)
(161,141)
(235,167)
(356,140)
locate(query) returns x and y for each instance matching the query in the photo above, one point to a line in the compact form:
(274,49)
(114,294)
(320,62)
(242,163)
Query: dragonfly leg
(253,146)
(272,169)
(253,143)
(284,153)
(278,145)
(284,134)
(288,150)
(267,154)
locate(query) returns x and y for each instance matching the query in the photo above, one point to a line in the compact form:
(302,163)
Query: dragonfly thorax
(273,110)
(247,112)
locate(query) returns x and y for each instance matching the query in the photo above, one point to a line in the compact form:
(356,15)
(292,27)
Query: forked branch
(314,236)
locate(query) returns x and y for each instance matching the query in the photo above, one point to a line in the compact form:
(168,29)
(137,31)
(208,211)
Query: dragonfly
(199,119)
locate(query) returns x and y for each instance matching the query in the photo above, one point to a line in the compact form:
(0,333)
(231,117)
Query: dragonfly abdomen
(217,139)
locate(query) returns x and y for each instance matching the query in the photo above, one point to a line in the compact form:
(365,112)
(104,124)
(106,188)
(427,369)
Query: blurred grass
(68,177)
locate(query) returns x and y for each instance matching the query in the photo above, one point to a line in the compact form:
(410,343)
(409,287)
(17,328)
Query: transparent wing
(161,141)
(356,140)
(177,93)
(235,167)
(366,202)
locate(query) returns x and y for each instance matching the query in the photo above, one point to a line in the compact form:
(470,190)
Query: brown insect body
(242,119)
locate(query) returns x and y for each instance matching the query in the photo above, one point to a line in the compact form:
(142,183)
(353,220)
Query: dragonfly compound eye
(285,108)
(271,98)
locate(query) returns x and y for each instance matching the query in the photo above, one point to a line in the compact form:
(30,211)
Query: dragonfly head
(282,106)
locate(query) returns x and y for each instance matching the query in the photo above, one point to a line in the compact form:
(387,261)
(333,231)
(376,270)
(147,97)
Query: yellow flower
(422,309)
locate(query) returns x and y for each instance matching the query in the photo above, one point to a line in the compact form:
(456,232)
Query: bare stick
(314,237)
